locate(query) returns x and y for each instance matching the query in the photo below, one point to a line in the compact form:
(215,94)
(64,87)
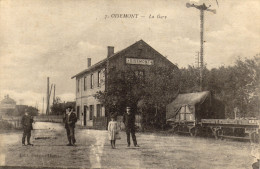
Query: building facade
(7,106)
(139,57)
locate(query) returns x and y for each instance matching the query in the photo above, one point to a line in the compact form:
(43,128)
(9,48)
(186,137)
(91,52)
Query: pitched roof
(8,100)
(103,61)
(100,63)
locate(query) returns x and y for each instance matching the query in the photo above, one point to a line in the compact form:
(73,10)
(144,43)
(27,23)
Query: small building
(9,113)
(192,107)
(139,57)
(7,106)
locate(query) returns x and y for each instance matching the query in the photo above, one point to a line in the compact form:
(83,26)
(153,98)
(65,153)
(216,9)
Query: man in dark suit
(129,121)
(70,119)
(256,165)
(27,121)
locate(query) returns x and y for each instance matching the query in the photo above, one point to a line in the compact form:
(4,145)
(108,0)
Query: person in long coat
(26,121)
(70,119)
(129,121)
(113,131)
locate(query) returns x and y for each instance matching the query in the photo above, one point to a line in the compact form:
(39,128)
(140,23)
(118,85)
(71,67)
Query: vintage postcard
(130,84)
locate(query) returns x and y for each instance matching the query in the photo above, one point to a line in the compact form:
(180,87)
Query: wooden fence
(121,124)
(100,123)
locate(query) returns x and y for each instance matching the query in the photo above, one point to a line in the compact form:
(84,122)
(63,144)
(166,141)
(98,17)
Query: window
(186,114)
(99,81)
(85,83)
(92,81)
(78,110)
(99,110)
(139,74)
(78,85)
(85,115)
(91,111)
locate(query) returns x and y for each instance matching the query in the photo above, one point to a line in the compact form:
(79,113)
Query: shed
(193,107)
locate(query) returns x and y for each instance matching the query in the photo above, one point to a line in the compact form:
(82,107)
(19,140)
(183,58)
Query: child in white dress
(113,131)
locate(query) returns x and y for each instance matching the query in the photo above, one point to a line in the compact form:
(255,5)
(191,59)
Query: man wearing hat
(129,121)
(27,121)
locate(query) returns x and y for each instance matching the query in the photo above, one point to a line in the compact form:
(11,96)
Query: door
(78,110)
(85,115)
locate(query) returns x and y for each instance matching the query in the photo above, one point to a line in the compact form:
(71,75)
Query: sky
(54,38)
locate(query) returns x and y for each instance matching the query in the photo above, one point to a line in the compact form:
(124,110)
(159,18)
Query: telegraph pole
(197,60)
(202,8)
(201,45)
(53,93)
(50,99)
(47,96)
(42,105)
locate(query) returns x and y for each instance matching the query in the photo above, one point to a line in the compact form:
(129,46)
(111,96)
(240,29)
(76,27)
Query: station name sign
(135,61)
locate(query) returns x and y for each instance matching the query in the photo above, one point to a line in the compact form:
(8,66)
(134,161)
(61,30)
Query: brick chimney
(110,51)
(89,62)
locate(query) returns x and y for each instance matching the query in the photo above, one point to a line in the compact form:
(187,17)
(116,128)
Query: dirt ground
(93,150)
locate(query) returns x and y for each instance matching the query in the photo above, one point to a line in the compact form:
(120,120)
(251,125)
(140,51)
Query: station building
(139,57)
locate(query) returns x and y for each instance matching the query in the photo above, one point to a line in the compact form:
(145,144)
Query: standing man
(129,121)
(27,121)
(70,119)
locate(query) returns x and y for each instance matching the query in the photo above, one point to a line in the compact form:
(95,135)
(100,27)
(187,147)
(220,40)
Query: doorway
(85,115)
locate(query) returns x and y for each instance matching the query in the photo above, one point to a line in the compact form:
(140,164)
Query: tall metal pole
(42,105)
(198,60)
(53,93)
(50,99)
(47,97)
(202,8)
(201,46)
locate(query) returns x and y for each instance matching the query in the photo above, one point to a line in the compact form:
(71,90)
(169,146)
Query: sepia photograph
(130,84)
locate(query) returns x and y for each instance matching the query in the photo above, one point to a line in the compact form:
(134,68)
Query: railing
(241,122)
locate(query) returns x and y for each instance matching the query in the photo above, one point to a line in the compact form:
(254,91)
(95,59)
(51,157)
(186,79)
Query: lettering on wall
(135,61)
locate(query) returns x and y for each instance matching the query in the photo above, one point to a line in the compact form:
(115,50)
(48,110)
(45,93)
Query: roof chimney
(89,62)
(110,51)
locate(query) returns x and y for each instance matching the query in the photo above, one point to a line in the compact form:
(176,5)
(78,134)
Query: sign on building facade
(135,61)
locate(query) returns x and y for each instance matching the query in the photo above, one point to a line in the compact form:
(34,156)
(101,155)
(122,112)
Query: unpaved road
(93,151)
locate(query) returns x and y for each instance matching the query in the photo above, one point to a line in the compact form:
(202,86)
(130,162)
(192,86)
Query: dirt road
(93,151)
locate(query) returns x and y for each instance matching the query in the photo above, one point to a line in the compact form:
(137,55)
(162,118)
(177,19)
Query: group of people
(113,128)
(70,118)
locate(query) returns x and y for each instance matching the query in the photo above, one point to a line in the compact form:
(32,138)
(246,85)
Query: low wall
(51,118)
(14,121)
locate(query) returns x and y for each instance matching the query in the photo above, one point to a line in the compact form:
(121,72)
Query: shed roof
(190,98)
